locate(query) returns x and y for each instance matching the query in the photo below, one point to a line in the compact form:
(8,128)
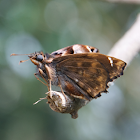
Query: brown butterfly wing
(74,49)
(86,75)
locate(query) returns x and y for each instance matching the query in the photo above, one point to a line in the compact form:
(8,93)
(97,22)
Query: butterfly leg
(48,85)
(50,88)
(39,100)
(35,74)
(49,80)
(41,73)
(61,88)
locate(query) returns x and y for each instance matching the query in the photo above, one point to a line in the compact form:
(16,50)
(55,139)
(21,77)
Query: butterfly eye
(39,58)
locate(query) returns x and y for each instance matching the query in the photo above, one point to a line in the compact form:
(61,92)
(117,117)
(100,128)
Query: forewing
(86,75)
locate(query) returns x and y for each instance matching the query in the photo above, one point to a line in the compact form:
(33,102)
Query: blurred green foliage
(27,26)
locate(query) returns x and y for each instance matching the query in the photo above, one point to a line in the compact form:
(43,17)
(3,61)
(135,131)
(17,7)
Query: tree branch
(124,1)
(129,45)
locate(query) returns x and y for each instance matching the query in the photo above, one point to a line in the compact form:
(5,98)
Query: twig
(124,1)
(129,45)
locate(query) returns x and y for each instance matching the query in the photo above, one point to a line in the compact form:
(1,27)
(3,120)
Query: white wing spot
(110,83)
(111,61)
(76,80)
(88,48)
(77,49)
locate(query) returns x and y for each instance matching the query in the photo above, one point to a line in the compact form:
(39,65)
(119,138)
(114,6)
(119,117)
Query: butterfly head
(37,57)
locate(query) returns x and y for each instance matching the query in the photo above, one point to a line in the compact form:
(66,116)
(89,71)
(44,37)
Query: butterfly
(81,72)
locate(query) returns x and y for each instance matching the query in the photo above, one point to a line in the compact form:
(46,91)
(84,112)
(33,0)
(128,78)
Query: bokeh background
(27,26)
